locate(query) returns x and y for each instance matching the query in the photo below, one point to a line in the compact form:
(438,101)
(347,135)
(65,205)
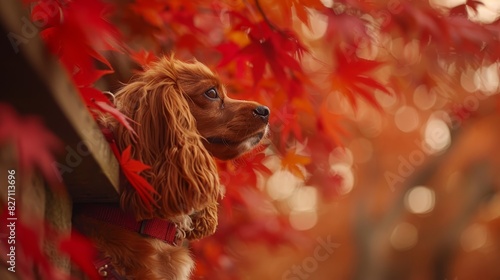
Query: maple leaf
(328,183)
(285,9)
(267,46)
(418,21)
(95,99)
(35,144)
(291,161)
(284,122)
(77,37)
(81,252)
(165,20)
(351,78)
(149,11)
(243,170)
(467,37)
(29,249)
(143,57)
(345,28)
(131,169)
(328,124)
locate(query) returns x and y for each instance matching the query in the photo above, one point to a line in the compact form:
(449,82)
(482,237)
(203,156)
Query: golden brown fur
(180,125)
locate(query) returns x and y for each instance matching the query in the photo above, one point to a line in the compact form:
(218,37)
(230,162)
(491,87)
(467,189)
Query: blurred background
(383,158)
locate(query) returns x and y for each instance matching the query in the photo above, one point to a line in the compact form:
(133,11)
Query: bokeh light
(344,171)
(474,237)
(486,79)
(341,155)
(404,236)
(407,119)
(423,98)
(437,136)
(281,184)
(304,199)
(420,200)
(303,220)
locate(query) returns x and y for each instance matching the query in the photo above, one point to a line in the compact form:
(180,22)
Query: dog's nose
(262,112)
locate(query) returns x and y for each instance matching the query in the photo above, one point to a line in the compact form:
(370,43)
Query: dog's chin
(226,149)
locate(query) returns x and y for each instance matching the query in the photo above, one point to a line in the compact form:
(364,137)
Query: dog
(182,119)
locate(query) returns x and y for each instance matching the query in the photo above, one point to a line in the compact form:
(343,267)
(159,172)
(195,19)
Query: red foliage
(352,78)
(260,50)
(34,143)
(31,238)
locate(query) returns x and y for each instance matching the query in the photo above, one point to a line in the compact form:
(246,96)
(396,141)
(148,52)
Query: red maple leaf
(96,100)
(76,33)
(143,57)
(418,21)
(345,28)
(81,252)
(29,249)
(329,126)
(35,144)
(286,9)
(279,49)
(284,122)
(292,161)
(243,170)
(352,78)
(131,169)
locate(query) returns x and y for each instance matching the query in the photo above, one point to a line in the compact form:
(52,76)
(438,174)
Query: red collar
(112,214)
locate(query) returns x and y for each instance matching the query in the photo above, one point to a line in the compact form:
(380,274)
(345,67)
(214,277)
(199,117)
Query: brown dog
(182,118)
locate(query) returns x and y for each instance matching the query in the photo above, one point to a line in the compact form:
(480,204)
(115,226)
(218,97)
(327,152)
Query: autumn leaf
(150,11)
(96,100)
(81,252)
(293,163)
(131,169)
(35,144)
(284,122)
(466,37)
(278,49)
(345,28)
(329,183)
(417,21)
(163,19)
(243,170)
(328,124)
(352,78)
(143,57)
(285,9)
(29,248)
(77,38)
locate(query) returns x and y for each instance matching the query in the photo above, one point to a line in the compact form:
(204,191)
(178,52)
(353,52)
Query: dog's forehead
(206,75)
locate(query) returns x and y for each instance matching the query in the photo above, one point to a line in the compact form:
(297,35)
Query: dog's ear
(183,173)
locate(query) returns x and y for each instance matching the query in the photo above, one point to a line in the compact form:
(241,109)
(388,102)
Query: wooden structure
(34,83)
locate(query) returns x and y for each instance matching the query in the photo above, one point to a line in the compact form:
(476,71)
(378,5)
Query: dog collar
(112,214)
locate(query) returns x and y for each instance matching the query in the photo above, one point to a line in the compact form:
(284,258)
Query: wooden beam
(34,83)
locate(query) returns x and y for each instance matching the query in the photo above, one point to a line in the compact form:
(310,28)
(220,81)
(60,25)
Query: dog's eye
(212,93)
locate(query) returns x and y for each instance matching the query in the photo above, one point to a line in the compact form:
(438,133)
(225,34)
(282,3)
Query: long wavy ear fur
(183,172)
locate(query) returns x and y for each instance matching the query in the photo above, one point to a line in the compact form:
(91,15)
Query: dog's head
(228,127)
(182,118)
